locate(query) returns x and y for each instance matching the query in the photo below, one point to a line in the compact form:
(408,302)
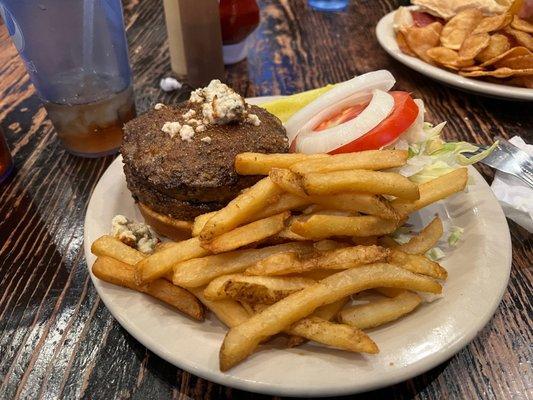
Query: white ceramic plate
(478,273)
(385,35)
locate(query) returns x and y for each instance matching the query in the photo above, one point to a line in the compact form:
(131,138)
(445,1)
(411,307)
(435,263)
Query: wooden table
(57,339)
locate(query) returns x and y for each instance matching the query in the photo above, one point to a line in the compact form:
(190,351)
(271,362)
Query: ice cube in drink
(94,128)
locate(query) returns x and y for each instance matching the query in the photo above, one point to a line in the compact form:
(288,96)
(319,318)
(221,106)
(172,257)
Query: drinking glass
(328,5)
(76,54)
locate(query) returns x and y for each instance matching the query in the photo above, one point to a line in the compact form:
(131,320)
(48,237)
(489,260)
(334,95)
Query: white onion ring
(362,84)
(312,142)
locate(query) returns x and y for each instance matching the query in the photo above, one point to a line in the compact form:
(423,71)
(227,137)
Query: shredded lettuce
(430,156)
(435,254)
(402,235)
(456,233)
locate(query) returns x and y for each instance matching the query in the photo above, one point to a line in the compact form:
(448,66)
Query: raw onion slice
(365,83)
(334,109)
(379,108)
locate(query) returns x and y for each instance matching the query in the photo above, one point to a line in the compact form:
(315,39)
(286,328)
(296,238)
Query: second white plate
(387,40)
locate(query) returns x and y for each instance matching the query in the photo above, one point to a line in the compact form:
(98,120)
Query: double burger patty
(184,179)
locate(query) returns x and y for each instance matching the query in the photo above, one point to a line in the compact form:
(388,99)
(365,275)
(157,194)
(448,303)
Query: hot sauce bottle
(238,19)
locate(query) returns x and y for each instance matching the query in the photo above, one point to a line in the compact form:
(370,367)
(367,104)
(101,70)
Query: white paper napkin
(515,197)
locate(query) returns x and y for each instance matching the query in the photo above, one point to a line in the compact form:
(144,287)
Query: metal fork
(509,159)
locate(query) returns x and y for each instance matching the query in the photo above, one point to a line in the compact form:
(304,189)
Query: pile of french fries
(287,254)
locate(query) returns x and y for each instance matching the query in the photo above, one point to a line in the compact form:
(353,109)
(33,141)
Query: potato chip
(473,45)
(494,23)
(520,62)
(521,25)
(513,52)
(420,40)
(522,38)
(448,58)
(498,44)
(499,73)
(402,44)
(472,68)
(459,27)
(451,66)
(515,7)
(443,55)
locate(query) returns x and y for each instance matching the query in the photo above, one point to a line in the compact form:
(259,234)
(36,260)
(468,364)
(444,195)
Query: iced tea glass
(76,54)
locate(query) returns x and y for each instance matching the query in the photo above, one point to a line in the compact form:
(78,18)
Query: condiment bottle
(238,19)
(195,40)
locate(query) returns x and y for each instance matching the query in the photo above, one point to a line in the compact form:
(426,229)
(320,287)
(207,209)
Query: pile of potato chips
(497,47)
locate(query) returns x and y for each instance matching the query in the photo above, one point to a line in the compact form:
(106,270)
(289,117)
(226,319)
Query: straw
(88,33)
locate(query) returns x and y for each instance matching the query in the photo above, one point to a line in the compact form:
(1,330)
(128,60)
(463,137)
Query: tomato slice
(345,115)
(402,117)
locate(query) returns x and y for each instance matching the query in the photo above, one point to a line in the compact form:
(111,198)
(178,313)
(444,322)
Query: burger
(179,160)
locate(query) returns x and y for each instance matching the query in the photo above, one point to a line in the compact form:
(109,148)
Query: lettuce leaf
(430,156)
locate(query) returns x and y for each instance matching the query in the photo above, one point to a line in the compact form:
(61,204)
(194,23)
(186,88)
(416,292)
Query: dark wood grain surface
(57,339)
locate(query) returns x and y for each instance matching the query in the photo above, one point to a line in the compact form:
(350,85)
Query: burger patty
(186,178)
(166,205)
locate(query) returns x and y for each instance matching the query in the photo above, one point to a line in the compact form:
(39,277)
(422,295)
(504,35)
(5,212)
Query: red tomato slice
(345,115)
(402,117)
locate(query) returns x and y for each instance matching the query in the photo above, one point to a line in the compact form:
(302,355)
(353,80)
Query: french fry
(361,180)
(200,221)
(379,312)
(244,338)
(340,336)
(288,181)
(163,245)
(351,202)
(110,246)
(200,271)
(287,234)
(161,263)
(291,262)
(358,202)
(370,159)
(349,257)
(417,264)
(118,273)
(247,234)
(285,202)
(425,240)
(322,331)
(249,307)
(328,244)
(329,311)
(254,289)
(240,209)
(261,164)
(276,264)
(326,312)
(389,291)
(228,311)
(324,226)
(433,191)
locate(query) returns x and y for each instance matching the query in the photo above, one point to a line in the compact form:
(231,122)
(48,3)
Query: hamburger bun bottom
(164,225)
